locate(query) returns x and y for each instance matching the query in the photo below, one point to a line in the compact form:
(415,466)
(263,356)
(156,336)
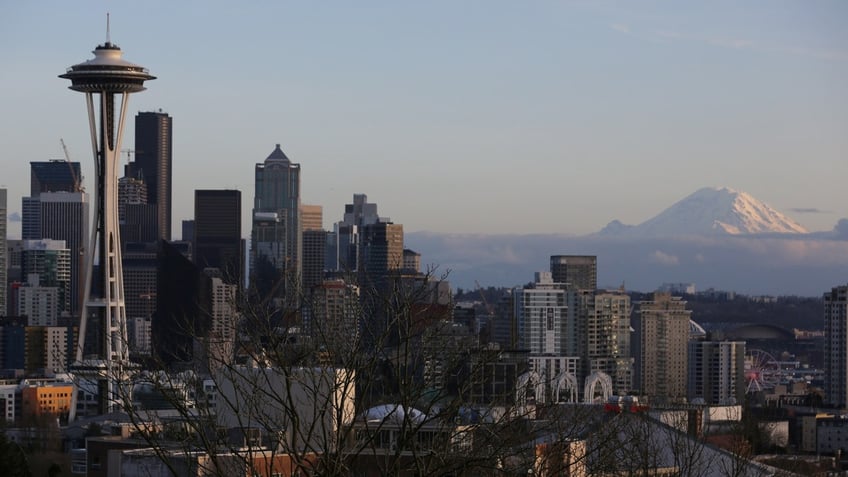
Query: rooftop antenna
(108,33)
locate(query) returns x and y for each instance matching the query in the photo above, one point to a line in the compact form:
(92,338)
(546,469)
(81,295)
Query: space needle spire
(102,356)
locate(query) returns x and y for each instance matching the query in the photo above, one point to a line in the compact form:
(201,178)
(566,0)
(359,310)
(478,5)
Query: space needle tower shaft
(107,81)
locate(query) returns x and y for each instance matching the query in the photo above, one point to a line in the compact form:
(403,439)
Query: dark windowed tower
(217,233)
(276,236)
(153,159)
(56,175)
(579,272)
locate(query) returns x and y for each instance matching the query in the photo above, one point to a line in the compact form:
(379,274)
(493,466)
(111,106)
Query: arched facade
(592,381)
(565,383)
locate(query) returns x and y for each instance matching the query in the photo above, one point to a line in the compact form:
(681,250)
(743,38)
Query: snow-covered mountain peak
(711,211)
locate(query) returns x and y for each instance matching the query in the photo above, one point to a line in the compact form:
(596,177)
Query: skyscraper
(217,233)
(664,337)
(607,338)
(55,175)
(61,216)
(578,272)
(154,158)
(277,193)
(836,346)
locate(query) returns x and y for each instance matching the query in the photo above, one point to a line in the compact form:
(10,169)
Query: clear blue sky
(460,116)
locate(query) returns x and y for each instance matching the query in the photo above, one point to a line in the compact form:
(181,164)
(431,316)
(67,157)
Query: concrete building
(663,325)
(836,346)
(308,406)
(39,304)
(717,372)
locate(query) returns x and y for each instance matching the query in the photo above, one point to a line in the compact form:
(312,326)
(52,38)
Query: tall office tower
(314,254)
(178,318)
(153,160)
(578,272)
(188,231)
(343,244)
(381,250)
(140,274)
(314,240)
(104,77)
(277,192)
(217,233)
(61,216)
(664,335)
(547,331)
(836,346)
(57,175)
(50,261)
(717,372)
(131,190)
(607,338)
(14,275)
(311,217)
(3,252)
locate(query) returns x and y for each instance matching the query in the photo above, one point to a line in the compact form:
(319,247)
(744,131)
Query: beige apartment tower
(664,329)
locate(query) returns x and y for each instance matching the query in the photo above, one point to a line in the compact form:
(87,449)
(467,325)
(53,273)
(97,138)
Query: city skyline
(455,116)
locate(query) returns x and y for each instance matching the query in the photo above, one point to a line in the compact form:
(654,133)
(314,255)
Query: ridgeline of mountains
(716,238)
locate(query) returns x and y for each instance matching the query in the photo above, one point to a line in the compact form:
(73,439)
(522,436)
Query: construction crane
(489,308)
(77,183)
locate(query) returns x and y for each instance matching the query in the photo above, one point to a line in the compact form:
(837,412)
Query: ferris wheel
(762,371)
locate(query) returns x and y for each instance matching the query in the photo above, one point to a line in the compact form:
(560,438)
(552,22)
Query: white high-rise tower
(106,77)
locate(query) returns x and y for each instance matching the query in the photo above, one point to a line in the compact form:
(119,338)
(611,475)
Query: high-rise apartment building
(61,216)
(717,372)
(836,346)
(276,213)
(607,338)
(664,336)
(548,332)
(154,162)
(217,233)
(577,272)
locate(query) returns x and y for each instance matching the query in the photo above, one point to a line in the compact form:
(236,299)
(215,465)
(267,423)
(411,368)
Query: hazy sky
(460,116)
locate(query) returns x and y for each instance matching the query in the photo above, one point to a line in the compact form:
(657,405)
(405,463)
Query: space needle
(107,81)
